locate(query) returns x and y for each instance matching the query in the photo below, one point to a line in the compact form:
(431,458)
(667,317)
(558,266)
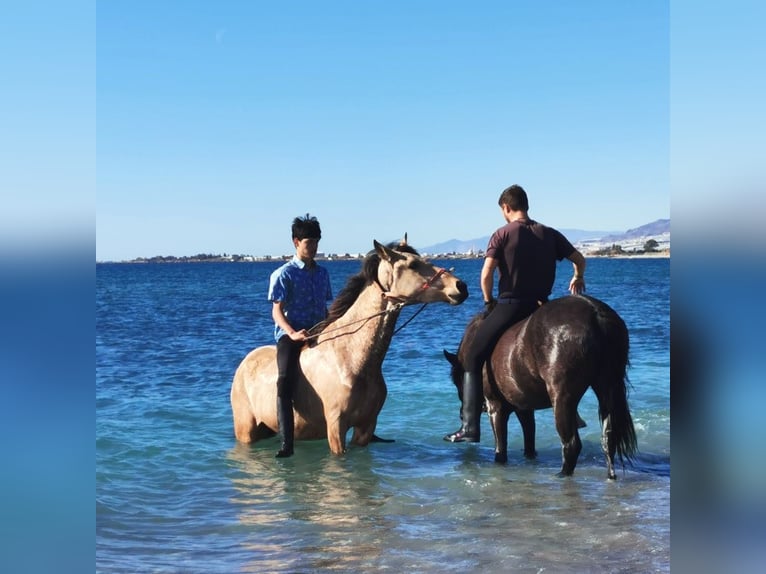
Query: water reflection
(312,511)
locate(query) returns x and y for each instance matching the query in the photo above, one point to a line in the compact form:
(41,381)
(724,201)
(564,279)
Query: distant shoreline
(658,255)
(250,259)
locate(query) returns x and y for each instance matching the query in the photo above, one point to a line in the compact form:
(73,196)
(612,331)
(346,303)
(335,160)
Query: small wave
(656,464)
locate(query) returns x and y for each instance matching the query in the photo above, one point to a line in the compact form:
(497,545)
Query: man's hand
(577,285)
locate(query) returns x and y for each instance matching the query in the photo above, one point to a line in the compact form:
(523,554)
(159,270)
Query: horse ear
(385,253)
(403,242)
(451,357)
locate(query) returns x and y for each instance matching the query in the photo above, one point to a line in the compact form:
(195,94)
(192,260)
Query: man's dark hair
(306,228)
(514,197)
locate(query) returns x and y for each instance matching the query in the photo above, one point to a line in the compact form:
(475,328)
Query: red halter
(439,272)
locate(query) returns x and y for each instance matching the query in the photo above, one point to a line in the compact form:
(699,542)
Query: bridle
(398,304)
(439,271)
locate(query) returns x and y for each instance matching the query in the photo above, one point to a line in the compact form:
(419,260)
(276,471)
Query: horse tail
(612,385)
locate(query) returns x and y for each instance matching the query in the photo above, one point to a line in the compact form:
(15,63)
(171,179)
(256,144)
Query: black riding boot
(471,413)
(286,426)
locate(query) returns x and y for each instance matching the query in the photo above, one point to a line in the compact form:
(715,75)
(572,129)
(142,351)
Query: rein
(439,272)
(415,314)
(398,306)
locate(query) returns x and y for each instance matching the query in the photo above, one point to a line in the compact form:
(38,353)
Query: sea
(176,493)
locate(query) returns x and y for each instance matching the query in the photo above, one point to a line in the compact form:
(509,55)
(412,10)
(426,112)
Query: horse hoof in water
(501,457)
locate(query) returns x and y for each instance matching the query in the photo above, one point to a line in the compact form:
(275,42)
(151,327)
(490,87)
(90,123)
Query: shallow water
(176,493)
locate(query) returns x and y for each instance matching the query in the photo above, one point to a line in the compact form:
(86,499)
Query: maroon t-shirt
(526,254)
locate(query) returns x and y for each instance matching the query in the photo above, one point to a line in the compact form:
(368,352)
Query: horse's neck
(363,334)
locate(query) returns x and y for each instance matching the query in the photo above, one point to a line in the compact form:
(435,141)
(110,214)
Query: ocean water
(176,493)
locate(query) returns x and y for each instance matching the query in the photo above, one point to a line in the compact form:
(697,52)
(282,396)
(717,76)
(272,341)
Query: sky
(218,123)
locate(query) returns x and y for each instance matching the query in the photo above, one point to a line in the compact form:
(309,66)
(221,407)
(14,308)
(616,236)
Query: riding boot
(471,413)
(286,426)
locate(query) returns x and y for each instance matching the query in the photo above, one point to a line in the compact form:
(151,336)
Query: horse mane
(356,283)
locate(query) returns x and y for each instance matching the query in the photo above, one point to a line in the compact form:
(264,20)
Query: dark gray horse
(549,360)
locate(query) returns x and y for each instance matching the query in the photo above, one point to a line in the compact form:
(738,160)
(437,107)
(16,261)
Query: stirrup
(462,436)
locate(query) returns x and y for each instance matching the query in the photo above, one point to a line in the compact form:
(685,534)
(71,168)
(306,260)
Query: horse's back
(575,316)
(599,325)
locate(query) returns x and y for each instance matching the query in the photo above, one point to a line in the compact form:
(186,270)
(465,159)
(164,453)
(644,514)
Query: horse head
(404,275)
(456,372)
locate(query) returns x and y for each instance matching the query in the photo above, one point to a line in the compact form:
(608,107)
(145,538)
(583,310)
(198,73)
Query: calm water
(176,493)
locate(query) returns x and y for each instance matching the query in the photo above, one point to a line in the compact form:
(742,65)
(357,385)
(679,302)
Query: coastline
(658,255)
(250,259)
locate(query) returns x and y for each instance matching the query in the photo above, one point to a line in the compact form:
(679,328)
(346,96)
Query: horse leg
(364,434)
(361,437)
(527,422)
(244,421)
(566,426)
(609,446)
(336,434)
(498,419)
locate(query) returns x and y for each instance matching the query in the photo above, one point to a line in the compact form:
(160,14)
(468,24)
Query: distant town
(650,240)
(651,248)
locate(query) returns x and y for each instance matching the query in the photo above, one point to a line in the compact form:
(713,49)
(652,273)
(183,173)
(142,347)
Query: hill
(659,227)
(586,240)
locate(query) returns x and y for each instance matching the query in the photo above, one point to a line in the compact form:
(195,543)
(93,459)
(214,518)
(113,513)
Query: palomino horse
(340,384)
(549,360)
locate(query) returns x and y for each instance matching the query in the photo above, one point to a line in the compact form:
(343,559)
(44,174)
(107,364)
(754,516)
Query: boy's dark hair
(306,228)
(514,197)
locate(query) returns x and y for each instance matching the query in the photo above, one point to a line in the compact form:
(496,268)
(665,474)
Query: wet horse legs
(498,418)
(566,426)
(527,422)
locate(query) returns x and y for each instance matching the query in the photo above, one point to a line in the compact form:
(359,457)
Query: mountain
(658,228)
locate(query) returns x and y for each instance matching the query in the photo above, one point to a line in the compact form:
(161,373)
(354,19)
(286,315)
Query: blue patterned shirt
(304,293)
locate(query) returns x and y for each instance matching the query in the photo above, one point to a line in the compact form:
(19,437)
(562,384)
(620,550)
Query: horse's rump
(255,381)
(566,328)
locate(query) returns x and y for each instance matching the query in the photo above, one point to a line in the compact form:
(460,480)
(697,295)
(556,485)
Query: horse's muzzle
(462,294)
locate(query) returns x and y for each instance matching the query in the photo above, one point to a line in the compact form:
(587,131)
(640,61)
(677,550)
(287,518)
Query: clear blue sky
(218,122)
